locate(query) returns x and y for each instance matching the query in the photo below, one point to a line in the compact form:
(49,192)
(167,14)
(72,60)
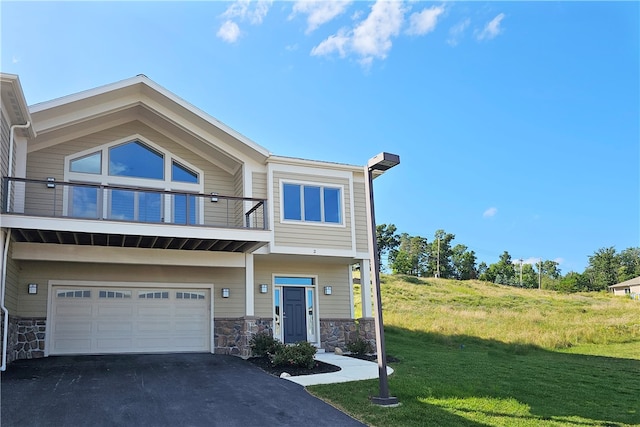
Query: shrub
(299,355)
(360,347)
(264,344)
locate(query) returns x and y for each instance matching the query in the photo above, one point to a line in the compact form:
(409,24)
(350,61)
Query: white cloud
(15,60)
(457,31)
(492,29)
(490,212)
(319,12)
(421,23)
(242,10)
(536,260)
(229,32)
(335,43)
(371,38)
(246,10)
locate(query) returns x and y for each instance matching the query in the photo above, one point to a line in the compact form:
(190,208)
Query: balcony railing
(58,199)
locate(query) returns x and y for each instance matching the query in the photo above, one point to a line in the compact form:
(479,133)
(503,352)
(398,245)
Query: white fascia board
(79,96)
(125,228)
(117,255)
(313,164)
(208,118)
(11,83)
(145,92)
(179,119)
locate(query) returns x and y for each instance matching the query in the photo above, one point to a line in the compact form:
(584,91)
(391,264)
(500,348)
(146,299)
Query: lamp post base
(385,401)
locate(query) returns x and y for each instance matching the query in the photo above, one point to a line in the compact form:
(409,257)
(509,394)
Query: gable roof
(140,98)
(14,102)
(631,282)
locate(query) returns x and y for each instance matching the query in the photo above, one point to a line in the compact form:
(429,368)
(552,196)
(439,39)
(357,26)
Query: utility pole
(438,260)
(539,273)
(521,261)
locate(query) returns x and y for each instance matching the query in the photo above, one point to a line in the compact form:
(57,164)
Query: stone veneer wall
(232,336)
(340,332)
(25,339)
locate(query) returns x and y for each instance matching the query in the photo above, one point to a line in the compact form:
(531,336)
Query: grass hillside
(511,315)
(477,354)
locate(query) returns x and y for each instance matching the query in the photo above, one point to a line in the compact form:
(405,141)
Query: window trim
(322,186)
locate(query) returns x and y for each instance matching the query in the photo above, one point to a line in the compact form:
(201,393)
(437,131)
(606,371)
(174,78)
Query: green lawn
(446,379)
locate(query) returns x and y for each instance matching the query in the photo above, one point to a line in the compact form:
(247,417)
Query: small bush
(264,344)
(299,355)
(360,347)
(411,279)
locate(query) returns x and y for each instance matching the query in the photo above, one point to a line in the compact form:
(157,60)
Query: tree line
(416,256)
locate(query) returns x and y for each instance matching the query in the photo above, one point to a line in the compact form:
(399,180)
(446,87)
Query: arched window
(134,162)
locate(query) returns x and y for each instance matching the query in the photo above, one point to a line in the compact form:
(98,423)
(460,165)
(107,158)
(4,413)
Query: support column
(249,286)
(365,287)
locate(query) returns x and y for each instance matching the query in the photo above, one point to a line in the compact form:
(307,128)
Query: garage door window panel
(114,294)
(64,293)
(153,295)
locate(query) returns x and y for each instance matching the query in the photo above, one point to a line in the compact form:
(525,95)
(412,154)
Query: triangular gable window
(91,163)
(136,160)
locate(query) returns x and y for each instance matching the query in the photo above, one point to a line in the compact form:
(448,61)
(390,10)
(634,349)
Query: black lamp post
(381,162)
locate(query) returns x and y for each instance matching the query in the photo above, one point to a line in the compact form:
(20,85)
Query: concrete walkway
(352,369)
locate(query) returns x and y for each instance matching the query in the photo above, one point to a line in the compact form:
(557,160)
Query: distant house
(133,222)
(628,287)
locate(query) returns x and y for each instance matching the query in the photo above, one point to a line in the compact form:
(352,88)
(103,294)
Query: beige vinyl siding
(259,183)
(49,162)
(42,272)
(360,215)
(12,283)
(259,188)
(4,150)
(337,305)
(312,235)
(237,206)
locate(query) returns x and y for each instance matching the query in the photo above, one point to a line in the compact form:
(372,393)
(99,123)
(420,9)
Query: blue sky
(517,123)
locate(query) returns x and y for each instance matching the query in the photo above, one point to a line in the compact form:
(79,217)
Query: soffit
(14,103)
(132,113)
(158,107)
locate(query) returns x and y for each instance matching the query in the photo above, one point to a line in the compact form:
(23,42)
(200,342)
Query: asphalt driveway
(156,390)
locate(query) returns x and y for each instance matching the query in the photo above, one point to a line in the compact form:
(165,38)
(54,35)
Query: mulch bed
(319,368)
(265,364)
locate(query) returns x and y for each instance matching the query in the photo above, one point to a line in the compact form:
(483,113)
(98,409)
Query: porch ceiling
(134,241)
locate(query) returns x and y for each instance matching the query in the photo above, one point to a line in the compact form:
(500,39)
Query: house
(629,287)
(133,222)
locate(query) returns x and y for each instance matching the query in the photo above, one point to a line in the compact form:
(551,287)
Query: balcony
(46,211)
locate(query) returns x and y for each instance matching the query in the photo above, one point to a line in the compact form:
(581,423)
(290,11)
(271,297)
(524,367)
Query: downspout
(3,283)
(10,166)
(3,279)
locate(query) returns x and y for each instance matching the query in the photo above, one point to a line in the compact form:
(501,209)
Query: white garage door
(100,320)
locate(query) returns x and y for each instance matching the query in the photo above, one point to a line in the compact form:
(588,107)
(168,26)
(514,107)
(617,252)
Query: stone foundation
(25,339)
(232,336)
(340,332)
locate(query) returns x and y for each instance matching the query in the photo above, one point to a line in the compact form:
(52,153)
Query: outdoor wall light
(225,293)
(214,197)
(33,288)
(328,290)
(264,288)
(51,182)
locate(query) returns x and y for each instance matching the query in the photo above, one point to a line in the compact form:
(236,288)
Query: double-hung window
(312,203)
